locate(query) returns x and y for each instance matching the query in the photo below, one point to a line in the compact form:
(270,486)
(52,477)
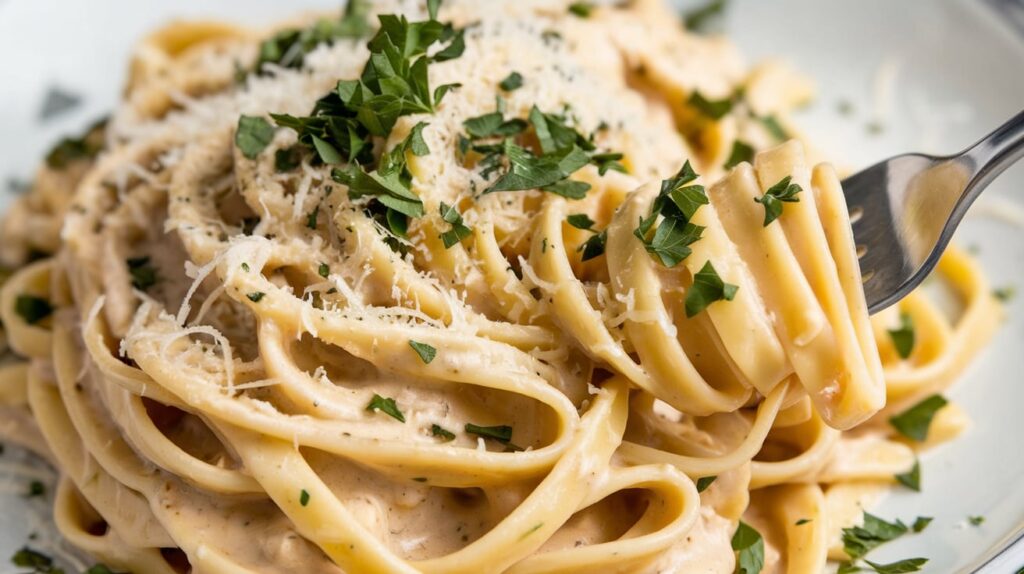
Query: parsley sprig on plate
(676,203)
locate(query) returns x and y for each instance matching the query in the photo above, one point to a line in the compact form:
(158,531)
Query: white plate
(936,74)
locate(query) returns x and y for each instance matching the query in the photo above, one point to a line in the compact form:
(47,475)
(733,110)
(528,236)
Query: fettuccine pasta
(513,286)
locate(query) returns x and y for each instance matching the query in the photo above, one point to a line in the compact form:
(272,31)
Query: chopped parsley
(772,200)
(425,351)
(288,48)
(900,567)
(914,422)
(35,488)
(58,101)
(676,203)
(698,19)
(707,288)
(774,128)
(84,147)
(500,433)
(311,217)
(324,270)
(903,336)
(548,172)
(1004,294)
(714,109)
(387,406)
(394,83)
(304,497)
(581,9)
(143,274)
(39,562)
(442,433)
(287,159)
(32,309)
(921,523)
(704,482)
(532,529)
(859,540)
(976,520)
(749,548)
(594,247)
(253,135)
(741,152)
(512,82)
(912,478)
(245,267)
(256,296)
(802,521)
(580,221)
(459,230)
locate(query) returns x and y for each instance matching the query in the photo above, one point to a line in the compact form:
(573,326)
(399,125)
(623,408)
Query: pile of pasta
(238,368)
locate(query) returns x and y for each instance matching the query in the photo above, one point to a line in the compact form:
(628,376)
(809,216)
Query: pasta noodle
(246,353)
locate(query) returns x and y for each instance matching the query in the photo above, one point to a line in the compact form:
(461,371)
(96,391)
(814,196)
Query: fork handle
(994,153)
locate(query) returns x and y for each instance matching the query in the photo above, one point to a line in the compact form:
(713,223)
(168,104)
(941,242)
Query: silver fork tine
(904,210)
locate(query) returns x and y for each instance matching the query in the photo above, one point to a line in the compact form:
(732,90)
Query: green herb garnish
(304,497)
(32,309)
(741,152)
(581,9)
(459,230)
(704,482)
(1004,294)
(287,159)
(387,406)
(921,523)
(288,48)
(580,221)
(707,288)
(914,422)
(143,274)
(594,247)
(86,146)
(500,433)
(749,548)
(774,128)
(714,109)
(39,562)
(256,296)
(802,521)
(676,203)
(912,478)
(976,520)
(324,270)
(253,135)
(35,488)
(901,567)
(442,433)
(772,200)
(425,351)
(698,20)
(859,540)
(512,82)
(903,336)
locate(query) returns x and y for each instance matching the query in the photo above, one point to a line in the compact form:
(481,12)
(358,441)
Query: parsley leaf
(253,135)
(459,230)
(903,336)
(698,19)
(288,48)
(921,523)
(901,567)
(500,433)
(324,270)
(287,159)
(976,520)
(707,288)
(594,247)
(35,488)
(774,128)
(912,478)
(256,296)
(1004,294)
(772,200)
(914,422)
(580,221)
(39,562)
(425,351)
(749,547)
(677,202)
(86,146)
(859,540)
(741,152)
(32,309)
(704,482)
(304,497)
(802,521)
(512,82)
(527,171)
(492,125)
(714,109)
(581,9)
(442,433)
(386,406)
(143,274)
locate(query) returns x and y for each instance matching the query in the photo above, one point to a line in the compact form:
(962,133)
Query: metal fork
(904,210)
